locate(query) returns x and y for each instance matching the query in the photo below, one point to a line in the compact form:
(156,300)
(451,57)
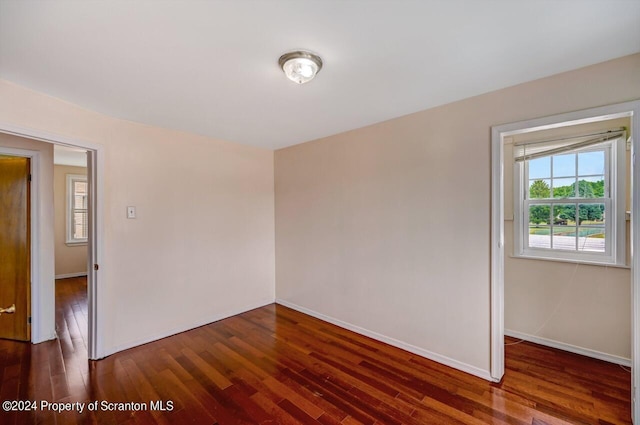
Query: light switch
(131,212)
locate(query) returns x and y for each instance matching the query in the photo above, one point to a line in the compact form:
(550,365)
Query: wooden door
(15,247)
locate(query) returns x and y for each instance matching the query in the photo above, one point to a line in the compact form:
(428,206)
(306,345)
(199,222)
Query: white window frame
(614,200)
(71,179)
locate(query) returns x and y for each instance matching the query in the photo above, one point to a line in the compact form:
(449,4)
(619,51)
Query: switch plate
(131,212)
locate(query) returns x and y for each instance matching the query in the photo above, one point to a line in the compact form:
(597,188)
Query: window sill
(566,260)
(76,243)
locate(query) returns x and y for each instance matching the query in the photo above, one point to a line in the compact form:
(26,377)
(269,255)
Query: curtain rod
(602,133)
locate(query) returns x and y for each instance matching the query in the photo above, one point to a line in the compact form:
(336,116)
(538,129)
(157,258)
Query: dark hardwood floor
(273,365)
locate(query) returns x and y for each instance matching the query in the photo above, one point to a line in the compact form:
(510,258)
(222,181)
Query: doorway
(71,196)
(631,111)
(71,229)
(24,144)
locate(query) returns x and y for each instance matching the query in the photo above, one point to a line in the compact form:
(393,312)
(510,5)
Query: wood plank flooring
(274,365)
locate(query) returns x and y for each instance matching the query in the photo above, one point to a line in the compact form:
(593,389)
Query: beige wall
(70,259)
(43,178)
(584,306)
(202,246)
(387,228)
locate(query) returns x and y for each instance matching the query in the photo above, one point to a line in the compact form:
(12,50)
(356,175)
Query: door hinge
(29,177)
(29,320)
(96,267)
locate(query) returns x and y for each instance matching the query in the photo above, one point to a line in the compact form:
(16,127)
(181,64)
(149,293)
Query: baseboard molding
(53,335)
(447,361)
(68,275)
(177,330)
(570,348)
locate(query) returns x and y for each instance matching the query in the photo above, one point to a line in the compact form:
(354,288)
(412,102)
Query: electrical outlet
(131,212)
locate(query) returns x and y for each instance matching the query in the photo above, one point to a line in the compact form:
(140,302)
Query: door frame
(43,287)
(498,133)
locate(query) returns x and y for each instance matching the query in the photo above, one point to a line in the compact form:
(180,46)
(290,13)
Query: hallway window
(77,202)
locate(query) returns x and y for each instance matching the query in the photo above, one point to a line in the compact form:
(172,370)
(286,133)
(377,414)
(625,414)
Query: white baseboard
(447,361)
(53,335)
(177,330)
(68,275)
(570,348)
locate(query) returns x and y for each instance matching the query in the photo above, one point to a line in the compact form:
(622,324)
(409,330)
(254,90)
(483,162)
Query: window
(77,202)
(569,199)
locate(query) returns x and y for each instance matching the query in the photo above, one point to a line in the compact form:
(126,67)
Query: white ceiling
(210,67)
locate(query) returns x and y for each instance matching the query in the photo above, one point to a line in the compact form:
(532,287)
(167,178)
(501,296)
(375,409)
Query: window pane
(591,239)
(564,215)
(591,163)
(79,202)
(564,188)
(540,168)
(591,214)
(564,238)
(564,227)
(80,187)
(591,187)
(539,231)
(591,233)
(80,225)
(564,165)
(79,194)
(539,215)
(539,189)
(539,236)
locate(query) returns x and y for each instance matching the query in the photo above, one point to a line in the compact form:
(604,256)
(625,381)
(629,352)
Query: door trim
(627,109)
(42,293)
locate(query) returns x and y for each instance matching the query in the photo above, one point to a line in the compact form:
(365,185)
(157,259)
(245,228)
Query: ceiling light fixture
(300,66)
